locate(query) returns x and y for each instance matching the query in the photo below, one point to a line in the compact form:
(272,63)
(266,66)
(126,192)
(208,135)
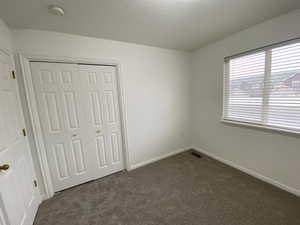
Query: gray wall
(5,37)
(271,154)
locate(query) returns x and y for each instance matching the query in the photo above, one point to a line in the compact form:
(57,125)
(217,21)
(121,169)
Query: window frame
(266,92)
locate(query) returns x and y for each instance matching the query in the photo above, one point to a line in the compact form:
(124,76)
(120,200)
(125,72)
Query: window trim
(263,48)
(267,74)
(260,126)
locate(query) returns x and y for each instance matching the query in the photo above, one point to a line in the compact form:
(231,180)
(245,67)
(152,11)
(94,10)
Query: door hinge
(35,183)
(24,132)
(13,74)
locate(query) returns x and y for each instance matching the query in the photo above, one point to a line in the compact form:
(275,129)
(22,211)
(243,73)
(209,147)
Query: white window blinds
(263,87)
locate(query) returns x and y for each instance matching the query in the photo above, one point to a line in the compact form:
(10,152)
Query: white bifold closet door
(80,120)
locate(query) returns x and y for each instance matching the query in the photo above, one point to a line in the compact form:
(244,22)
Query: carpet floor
(180,190)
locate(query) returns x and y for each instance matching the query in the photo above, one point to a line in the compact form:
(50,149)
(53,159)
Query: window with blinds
(262,87)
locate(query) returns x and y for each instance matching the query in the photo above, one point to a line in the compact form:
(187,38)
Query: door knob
(4,167)
(98,131)
(74,135)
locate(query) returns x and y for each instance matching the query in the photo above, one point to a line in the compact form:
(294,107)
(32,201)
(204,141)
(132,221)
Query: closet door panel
(59,96)
(105,130)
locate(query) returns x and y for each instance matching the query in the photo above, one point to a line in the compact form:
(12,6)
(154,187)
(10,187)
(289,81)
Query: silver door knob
(74,135)
(98,131)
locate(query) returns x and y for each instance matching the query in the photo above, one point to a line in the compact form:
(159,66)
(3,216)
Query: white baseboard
(152,160)
(250,172)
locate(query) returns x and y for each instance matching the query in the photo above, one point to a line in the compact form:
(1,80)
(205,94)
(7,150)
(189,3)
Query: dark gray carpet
(181,190)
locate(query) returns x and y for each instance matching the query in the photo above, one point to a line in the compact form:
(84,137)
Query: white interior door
(100,85)
(74,125)
(19,198)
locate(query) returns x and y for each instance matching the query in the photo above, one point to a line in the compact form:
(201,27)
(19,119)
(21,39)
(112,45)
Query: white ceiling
(175,24)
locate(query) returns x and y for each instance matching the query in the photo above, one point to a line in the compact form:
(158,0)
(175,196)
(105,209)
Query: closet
(79,114)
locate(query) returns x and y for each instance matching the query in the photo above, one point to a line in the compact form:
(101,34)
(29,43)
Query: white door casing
(19,198)
(74,123)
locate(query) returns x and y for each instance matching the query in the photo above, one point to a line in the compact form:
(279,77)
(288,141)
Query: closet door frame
(23,66)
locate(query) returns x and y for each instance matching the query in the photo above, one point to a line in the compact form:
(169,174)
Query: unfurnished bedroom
(149,112)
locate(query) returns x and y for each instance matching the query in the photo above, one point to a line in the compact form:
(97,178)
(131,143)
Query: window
(262,87)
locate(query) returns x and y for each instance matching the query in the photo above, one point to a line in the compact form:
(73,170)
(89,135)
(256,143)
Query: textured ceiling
(176,24)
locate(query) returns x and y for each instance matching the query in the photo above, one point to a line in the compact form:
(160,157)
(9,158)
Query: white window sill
(264,127)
